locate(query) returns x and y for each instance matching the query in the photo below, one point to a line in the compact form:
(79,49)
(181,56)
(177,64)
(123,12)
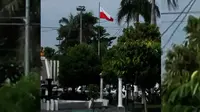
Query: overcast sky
(53,10)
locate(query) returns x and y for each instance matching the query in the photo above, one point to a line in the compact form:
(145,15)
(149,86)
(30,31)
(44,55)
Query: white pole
(27,31)
(47,68)
(51,69)
(58,63)
(101,88)
(54,71)
(120,92)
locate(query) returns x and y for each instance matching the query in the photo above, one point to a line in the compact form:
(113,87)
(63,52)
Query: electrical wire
(179,25)
(177,18)
(118,31)
(170,13)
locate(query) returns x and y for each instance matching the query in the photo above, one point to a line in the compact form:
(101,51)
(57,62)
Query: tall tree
(80,66)
(69,32)
(136,59)
(132,9)
(180,88)
(49,52)
(172,4)
(69,29)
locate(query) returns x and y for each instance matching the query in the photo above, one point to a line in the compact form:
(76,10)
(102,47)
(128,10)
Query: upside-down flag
(104,15)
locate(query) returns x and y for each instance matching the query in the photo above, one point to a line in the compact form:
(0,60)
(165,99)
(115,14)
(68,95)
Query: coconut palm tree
(193,30)
(172,4)
(69,29)
(180,89)
(132,9)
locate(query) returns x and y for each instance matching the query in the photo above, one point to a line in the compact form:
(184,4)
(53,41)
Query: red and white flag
(104,15)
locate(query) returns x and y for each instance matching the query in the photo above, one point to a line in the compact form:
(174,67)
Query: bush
(24,96)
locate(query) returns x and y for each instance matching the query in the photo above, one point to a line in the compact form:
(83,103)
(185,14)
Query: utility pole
(81,9)
(153,16)
(27,31)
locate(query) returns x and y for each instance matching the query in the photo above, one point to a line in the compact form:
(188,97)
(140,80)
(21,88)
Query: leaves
(134,57)
(17,95)
(81,63)
(181,83)
(131,9)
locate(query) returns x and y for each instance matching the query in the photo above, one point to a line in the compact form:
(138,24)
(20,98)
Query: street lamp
(81,9)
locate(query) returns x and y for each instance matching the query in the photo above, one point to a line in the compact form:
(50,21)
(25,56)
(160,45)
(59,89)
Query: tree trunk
(92,104)
(137,18)
(153,16)
(73,89)
(20,53)
(35,48)
(144,100)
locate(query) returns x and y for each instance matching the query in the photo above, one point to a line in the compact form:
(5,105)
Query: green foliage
(49,52)
(172,4)
(80,66)
(24,96)
(69,29)
(136,57)
(69,32)
(180,88)
(93,91)
(131,9)
(11,71)
(141,31)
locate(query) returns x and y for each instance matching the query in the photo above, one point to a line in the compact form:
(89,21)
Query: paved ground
(110,109)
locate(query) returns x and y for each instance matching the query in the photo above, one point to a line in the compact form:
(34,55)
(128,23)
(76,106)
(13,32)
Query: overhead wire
(177,17)
(179,24)
(118,31)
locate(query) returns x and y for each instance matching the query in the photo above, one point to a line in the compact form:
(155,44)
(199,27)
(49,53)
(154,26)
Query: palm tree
(172,4)
(180,90)
(131,9)
(69,28)
(193,30)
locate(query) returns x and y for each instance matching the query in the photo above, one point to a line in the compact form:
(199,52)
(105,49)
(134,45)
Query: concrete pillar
(52,105)
(47,105)
(119,92)
(56,104)
(41,104)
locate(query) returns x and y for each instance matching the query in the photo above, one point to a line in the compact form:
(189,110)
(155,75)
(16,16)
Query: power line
(170,13)
(172,21)
(19,24)
(118,31)
(179,24)
(12,17)
(177,18)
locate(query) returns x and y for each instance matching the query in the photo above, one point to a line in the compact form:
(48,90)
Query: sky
(53,10)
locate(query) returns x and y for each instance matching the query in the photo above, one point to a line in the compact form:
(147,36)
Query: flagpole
(99,44)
